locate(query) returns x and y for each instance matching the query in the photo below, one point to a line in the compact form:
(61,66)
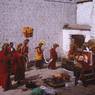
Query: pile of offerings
(57,80)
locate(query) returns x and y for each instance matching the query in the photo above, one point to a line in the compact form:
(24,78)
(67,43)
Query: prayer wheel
(28,32)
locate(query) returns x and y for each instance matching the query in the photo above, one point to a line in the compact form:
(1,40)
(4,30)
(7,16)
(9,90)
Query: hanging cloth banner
(27,31)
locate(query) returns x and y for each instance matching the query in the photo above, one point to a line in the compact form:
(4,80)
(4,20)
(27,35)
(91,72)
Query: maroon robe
(25,51)
(4,72)
(53,56)
(18,65)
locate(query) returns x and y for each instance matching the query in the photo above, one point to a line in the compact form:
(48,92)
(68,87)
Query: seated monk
(82,64)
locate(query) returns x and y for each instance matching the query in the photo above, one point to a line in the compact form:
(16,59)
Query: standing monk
(14,60)
(12,50)
(39,58)
(53,57)
(18,63)
(25,51)
(5,81)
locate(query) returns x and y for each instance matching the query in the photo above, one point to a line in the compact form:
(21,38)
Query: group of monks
(84,61)
(39,57)
(12,61)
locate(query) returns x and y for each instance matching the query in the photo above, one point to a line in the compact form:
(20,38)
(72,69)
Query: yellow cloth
(38,54)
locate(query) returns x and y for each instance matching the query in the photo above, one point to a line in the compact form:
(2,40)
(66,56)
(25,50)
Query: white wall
(86,15)
(93,19)
(47,19)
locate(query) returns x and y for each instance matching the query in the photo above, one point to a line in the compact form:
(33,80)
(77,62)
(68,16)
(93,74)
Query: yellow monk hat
(42,42)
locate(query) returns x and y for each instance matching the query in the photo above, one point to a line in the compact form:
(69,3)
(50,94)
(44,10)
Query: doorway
(77,40)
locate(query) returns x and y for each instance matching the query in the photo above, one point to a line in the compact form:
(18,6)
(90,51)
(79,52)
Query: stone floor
(70,89)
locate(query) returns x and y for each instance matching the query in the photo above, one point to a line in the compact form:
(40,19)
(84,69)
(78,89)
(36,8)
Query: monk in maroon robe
(4,68)
(25,51)
(53,57)
(18,63)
